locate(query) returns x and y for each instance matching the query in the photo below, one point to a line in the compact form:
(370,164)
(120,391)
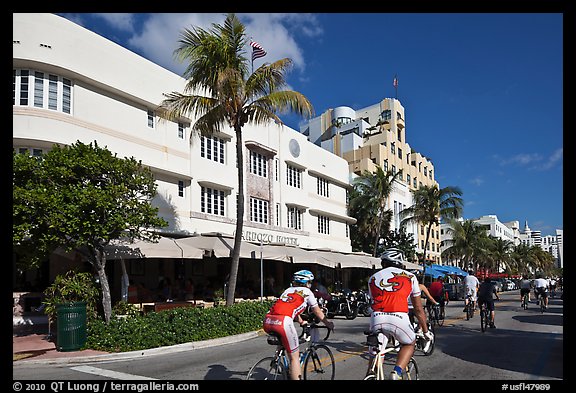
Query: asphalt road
(525,346)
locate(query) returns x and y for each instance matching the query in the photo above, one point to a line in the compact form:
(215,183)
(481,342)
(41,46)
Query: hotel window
(399,153)
(415,183)
(323,225)
(30,151)
(393,169)
(212,148)
(180,130)
(408,179)
(294,218)
(430,174)
(180,188)
(49,91)
(419,167)
(278,215)
(386,115)
(393,147)
(385,165)
(293,176)
(150,118)
(258,164)
(276,169)
(400,135)
(398,115)
(212,201)
(258,210)
(322,187)
(425,171)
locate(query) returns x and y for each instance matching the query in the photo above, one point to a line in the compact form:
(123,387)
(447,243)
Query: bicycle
(376,371)
(470,307)
(484,316)
(316,360)
(436,314)
(525,301)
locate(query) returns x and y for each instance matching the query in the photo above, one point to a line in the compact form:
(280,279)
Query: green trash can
(71,326)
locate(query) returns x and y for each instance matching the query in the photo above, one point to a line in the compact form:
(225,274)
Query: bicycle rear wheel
(319,364)
(411,372)
(267,369)
(484,320)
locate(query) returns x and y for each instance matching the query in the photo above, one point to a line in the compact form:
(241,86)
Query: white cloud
(160,33)
(477,181)
(124,22)
(534,161)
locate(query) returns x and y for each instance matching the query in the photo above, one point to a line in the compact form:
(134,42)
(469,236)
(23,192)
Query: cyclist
(486,292)
(541,288)
(525,286)
(389,290)
(287,309)
(438,291)
(471,285)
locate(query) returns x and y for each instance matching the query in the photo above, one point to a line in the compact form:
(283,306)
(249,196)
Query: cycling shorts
(489,303)
(524,291)
(396,324)
(471,291)
(284,327)
(542,291)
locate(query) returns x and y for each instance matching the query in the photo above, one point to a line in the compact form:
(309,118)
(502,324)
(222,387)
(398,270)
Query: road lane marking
(110,374)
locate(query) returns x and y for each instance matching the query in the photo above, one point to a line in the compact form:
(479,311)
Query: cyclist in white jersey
(471,285)
(541,288)
(390,289)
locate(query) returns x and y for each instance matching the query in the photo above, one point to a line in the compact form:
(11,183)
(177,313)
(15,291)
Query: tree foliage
(80,197)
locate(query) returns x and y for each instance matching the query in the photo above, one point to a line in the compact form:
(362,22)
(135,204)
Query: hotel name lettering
(268,238)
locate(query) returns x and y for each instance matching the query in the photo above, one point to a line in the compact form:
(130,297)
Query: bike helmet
(302,277)
(392,257)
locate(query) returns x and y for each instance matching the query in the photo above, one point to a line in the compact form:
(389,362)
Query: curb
(141,353)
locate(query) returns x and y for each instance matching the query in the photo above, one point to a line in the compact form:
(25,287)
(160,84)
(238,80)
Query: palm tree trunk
(235,258)
(380,219)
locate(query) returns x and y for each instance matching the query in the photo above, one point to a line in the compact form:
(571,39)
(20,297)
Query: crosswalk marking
(110,374)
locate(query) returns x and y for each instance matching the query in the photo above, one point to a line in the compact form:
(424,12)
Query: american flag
(257,50)
(395,83)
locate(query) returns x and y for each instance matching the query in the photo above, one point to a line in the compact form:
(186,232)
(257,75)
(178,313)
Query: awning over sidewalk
(165,247)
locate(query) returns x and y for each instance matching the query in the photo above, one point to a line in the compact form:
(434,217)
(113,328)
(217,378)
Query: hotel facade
(70,84)
(376,135)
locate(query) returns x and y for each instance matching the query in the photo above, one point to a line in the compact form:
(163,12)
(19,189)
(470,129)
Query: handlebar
(305,335)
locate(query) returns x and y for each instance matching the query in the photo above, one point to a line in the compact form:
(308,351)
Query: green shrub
(176,326)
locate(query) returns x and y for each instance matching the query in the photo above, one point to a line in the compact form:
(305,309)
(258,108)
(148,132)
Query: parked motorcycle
(363,302)
(342,303)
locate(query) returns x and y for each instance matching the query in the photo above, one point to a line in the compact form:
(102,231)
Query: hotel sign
(266,238)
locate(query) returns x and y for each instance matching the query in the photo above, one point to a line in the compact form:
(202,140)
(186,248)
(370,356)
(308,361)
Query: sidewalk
(31,345)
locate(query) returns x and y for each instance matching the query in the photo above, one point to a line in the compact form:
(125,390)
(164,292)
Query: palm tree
(373,189)
(466,242)
(221,92)
(500,252)
(430,205)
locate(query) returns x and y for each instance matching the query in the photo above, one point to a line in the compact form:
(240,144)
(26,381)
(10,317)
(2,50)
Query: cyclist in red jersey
(437,290)
(287,309)
(390,289)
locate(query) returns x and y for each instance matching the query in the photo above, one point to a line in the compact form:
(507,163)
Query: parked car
(498,283)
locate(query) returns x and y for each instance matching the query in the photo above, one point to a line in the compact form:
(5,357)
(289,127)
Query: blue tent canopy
(449,270)
(431,271)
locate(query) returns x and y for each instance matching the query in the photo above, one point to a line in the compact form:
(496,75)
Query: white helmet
(302,277)
(392,257)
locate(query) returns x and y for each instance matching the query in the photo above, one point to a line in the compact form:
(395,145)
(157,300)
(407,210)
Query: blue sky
(482,92)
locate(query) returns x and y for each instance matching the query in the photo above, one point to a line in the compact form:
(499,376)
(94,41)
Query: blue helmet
(302,277)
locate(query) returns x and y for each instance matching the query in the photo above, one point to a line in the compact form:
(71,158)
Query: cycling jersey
(280,317)
(436,289)
(390,290)
(470,284)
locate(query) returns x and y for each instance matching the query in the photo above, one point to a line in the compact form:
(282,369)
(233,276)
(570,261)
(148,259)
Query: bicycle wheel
(411,372)
(441,316)
(468,312)
(483,319)
(267,369)
(319,364)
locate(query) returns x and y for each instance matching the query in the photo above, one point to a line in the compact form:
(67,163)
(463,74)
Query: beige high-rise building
(376,135)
